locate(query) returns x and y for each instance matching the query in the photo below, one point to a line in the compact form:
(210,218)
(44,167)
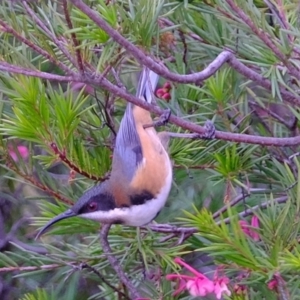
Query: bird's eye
(92,206)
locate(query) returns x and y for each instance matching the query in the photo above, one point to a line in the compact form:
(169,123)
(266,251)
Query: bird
(141,174)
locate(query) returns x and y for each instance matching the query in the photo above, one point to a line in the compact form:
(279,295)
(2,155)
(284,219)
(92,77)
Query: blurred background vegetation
(57,139)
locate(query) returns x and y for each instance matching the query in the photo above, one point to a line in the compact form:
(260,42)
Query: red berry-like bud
(167,86)
(166,97)
(273,284)
(160,93)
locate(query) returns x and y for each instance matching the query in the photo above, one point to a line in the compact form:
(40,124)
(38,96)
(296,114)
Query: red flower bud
(159,93)
(167,86)
(166,97)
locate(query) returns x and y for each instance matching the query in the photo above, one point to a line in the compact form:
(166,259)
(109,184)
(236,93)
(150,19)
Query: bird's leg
(162,120)
(208,134)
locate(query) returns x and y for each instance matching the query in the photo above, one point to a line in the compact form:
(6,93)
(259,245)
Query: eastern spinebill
(141,174)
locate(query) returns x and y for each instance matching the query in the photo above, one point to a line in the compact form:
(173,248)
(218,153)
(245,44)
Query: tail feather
(147,84)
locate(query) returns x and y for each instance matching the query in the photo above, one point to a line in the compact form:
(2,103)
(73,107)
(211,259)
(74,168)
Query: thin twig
(34,47)
(282,14)
(167,228)
(283,293)
(39,185)
(102,277)
(185,50)
(276,14)
(53,38)
(262,81)
(73,35)
(30,268)
(105,114)
(28,247)
(63,158)
(232,203)
(114,262)
(264,37)
(250,211)
(287,123)
(6,67)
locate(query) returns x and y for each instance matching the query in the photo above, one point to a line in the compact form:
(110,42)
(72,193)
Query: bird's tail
(147,85)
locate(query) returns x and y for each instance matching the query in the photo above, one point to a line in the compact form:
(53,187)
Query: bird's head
(95,204)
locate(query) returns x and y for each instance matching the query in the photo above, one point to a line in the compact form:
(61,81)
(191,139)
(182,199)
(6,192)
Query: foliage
(62,84)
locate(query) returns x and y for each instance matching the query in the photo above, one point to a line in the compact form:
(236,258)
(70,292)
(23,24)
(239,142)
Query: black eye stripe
(103,202)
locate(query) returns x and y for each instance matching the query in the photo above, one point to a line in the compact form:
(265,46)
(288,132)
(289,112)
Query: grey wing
(128,151)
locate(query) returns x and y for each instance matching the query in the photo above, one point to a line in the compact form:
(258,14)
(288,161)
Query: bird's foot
(209,131)
(162,120)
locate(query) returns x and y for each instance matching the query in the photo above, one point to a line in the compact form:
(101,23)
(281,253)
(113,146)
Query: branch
(288,123)
(30,268)
(283,293)
(63,158)
(73,35)
(102,277)
(232,203)
(279,16)
(161,70)
(44,188)
(38,184)
(145,59)
(36,48)
(262,81)
(6,67)
(250,211)
(184,124)
(114,262)
(264,37)
(166,228)
(53,38)
(102,82)
(28,247)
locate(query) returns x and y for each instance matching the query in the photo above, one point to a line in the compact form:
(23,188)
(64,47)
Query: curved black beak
(67,214)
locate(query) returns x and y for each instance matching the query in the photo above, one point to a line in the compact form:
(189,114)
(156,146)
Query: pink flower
(181,285)
(247,229)
(199,284)
(276,280)
(23,151)
(272,285)
(221,287)
(240,289)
